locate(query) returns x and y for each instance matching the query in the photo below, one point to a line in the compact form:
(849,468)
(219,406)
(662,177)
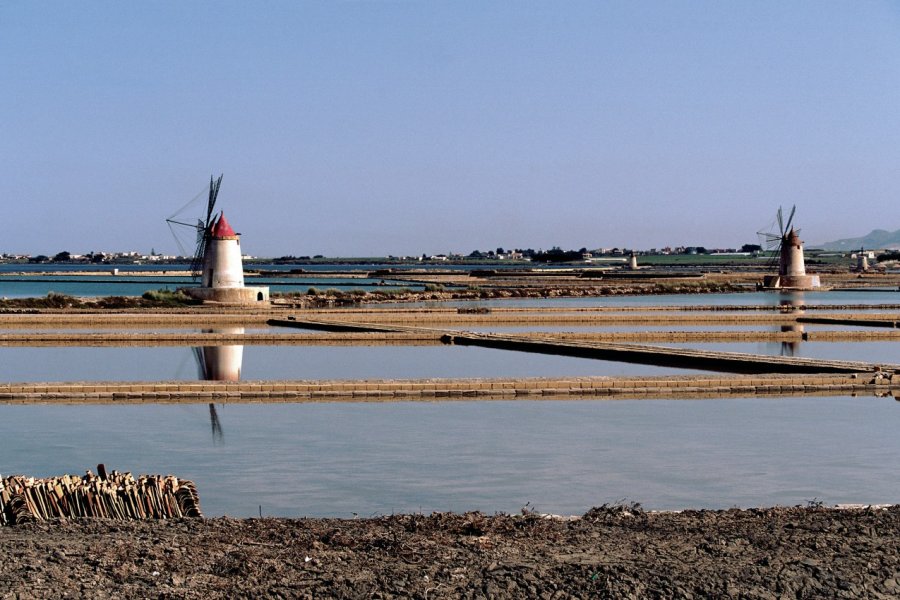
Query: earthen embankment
(393,390)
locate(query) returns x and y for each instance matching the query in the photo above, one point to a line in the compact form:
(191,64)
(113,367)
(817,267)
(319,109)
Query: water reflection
(791,302)
(219,363)
(278,363)
(792,347)
(217,435)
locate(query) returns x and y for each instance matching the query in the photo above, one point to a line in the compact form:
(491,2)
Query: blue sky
(374,128)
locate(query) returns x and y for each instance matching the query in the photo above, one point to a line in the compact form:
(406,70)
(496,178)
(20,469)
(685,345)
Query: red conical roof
(221,228)
(793,238)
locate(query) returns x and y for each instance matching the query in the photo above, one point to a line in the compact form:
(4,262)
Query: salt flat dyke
(412,338)
(420,316)
(394,390)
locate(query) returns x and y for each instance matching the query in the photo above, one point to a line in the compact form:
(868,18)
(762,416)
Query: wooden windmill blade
(770,236)
(773,239)
(201,228)
(787,228)
(204,227)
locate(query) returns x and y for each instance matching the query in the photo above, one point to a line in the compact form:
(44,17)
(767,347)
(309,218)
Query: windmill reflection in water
(791,302)
(219,363)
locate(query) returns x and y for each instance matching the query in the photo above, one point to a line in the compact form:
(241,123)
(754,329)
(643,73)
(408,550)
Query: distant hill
(877,239)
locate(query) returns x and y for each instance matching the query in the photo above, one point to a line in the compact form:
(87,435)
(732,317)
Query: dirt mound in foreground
(619,552)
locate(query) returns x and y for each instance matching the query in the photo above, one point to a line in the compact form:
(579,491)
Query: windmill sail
(773,240)
(203,226)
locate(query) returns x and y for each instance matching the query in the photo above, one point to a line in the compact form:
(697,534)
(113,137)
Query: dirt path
(614,552)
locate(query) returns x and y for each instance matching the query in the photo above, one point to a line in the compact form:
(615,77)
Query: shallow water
(118,329)
(871,352)
(575,328)
(337,459)
(31,287)
(21,364)
(38,285)
(557,456)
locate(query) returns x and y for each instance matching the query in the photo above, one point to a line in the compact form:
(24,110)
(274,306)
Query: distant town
(524,255)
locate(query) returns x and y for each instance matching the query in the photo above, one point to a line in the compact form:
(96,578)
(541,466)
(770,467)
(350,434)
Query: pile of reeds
(108,496)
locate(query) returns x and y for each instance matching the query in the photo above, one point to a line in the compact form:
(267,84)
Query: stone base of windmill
(244,296)
(791,282)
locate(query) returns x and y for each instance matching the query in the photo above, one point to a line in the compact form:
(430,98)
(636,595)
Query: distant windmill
(788,251)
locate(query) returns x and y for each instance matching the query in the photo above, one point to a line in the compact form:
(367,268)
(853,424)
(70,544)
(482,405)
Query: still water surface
(878,352)
(21,364)
(560,456)
(13,285)
(32,287)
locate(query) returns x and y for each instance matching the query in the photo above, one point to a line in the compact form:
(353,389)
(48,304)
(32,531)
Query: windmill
(774,242)
(202,228)
(788,252)
(217,256)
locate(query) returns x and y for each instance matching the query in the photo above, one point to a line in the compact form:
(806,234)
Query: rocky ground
(611,552)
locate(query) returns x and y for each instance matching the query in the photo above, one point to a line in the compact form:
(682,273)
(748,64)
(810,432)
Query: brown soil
(618,552)
(338,298)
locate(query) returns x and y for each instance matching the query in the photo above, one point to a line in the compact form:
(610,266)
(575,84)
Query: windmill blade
(774,242)
(200,252)
(217,434)
(776,253)
(197,263)
(210,202)
(780,222)
(767,239)
(214,186)
(766,236)
(204,226)
(182,239)
(201,363)
(790,219)
(181,247)
(190,203)
(201,231)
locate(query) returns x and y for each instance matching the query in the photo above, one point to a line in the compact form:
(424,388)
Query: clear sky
(402,127)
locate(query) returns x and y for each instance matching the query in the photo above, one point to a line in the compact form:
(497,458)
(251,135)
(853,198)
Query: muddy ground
(617,552)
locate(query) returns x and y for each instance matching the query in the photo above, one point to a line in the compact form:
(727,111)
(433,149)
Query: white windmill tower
(218,258)
(789,251)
